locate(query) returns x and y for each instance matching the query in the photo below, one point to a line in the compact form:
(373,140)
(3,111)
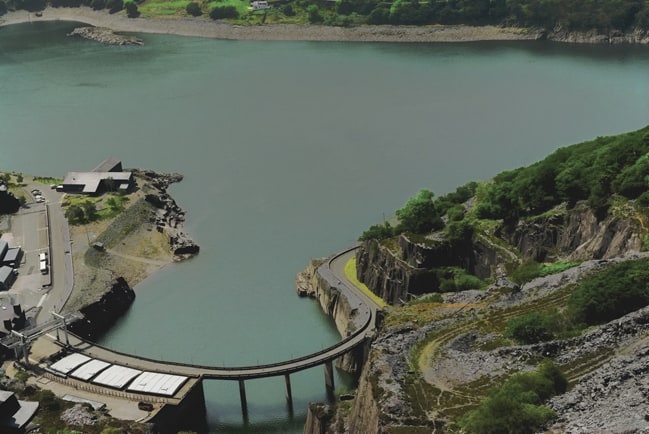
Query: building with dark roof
(109,165)
(7,277)
(15,414)
(107,176)
(12,257)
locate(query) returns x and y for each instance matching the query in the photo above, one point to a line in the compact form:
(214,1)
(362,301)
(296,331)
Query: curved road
(331,270)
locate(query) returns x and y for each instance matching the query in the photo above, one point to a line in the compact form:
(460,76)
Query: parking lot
(40,227)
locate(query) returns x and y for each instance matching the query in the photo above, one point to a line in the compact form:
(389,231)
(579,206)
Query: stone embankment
(105,36)
(335,304)
(170,217)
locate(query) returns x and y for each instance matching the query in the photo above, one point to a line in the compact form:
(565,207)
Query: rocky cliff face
(594,36)
(575,234)
(170,217)
(310,283)
(99,316)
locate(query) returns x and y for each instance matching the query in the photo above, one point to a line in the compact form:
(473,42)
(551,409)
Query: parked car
(36,192)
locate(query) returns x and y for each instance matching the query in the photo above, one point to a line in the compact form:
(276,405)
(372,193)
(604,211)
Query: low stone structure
(105,36)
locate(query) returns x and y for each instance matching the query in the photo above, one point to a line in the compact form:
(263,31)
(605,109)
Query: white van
(42,257)
(43,267)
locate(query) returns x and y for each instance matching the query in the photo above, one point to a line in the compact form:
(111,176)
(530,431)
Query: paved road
(42,227)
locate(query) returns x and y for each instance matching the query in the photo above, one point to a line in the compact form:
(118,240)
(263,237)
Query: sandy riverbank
(204,27)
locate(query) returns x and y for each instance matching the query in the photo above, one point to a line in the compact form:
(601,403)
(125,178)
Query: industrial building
(107,176)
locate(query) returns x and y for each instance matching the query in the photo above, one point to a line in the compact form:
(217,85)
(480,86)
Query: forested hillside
(520,304)
(569,15)
(597,171)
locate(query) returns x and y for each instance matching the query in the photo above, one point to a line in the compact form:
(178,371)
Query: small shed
(12,257)
(7,277)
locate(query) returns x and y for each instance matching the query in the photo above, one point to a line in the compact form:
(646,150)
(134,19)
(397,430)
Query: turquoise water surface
(290,150)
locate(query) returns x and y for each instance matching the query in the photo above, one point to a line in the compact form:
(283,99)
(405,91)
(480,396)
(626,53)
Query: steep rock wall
(99,316)
(394,275)
(310,283)
(576,234)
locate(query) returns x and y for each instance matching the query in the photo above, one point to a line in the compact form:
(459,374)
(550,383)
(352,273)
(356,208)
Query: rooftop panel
(90,369)
(116,376)
(69,363)
(158,384)
(107,165)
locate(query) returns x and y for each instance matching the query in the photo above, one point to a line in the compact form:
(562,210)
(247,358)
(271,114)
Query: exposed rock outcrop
(335,304)
(595,36)
(170,217)
(104,35)
(99,316)
(575,234)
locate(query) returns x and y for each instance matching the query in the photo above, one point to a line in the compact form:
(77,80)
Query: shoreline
(207,28)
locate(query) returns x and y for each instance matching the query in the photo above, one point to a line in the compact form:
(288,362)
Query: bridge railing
(315,358)
(329,349)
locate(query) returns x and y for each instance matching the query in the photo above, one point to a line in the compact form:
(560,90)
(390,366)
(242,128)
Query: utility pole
(65,328)
(23,343)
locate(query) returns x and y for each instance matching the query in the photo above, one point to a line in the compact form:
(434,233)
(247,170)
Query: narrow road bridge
(362,307)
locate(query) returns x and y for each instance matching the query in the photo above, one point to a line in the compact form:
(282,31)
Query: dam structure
(69,359)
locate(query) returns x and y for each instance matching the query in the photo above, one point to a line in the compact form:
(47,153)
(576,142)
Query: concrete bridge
(362,307)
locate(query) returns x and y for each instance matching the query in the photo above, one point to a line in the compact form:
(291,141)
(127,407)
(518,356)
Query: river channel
(290,150)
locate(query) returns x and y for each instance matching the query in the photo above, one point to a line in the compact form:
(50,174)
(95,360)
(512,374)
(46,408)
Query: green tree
(89,210)
(49,401)
(114,5)
(515,407)
(75,215)
(313,13)
(377,232)
(193,9)
(131,12)
(222,12)
(616,291)
(3,8)
(419,215)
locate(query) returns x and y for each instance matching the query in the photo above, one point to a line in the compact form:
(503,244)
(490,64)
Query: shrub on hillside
(98,4)
(222,12)
(377,232)
(529,329)
(3,8)
(516,407)
(193,9)
(612,293)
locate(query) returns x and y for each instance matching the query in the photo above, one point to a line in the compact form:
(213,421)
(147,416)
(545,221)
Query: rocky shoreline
(170,217)
(105,36)
(207,28)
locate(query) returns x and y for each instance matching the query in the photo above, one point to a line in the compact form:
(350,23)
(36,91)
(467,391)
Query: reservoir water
(290,150)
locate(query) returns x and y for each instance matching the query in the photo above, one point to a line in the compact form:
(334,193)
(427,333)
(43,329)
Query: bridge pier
(329,377)
(244,401)
(289,393)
